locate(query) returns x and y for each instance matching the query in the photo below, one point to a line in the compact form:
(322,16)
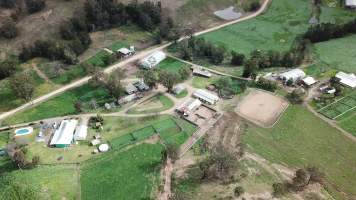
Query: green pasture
(171,65)
(313,144)
(157,103)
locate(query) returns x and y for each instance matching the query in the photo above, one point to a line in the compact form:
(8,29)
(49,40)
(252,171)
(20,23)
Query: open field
(301,139)
(275,30)
(155,104)
(63,104)
(262,108)
(132,174)
(50,182)
(337,53)
(348,122)
(171,65)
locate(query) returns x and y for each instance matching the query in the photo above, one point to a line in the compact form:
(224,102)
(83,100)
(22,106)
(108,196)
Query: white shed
(294,75)
(153,60)
(64,135)
(347,79)
(81,132)
(178,89)
(189,106)
(350,3)
(308,81)
(206,96)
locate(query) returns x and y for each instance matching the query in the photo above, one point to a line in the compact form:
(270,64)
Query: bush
(280,189)
(254,6)
(266,84)
(35,5)
(238,191)
(237,58)
(296,97)
(9,30)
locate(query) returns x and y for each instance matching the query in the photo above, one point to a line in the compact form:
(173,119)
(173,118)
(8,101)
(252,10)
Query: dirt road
(122,64)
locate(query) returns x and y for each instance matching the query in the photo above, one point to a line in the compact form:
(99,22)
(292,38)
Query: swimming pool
(23,131)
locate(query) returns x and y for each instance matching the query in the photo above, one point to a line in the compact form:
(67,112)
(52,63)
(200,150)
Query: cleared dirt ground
(261,108)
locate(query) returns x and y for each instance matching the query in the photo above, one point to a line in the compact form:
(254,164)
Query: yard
(301,139)
(172,65)
(132,174)
(63,104)
(154,104)
(337,53)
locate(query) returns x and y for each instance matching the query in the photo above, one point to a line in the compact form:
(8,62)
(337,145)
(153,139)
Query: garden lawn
(4,138)
(132,174)
(171,65)
(62,105)
(339,53)
(301,139)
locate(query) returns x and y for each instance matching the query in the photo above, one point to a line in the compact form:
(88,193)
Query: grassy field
(274,30)
(4,138)
(132,174)
(63,104)
(155,104)
(202,83)
(315,143)
(347,122)
(171,65)
(337,53)
(50,182)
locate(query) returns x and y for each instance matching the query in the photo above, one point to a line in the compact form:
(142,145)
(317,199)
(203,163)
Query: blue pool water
(22,131)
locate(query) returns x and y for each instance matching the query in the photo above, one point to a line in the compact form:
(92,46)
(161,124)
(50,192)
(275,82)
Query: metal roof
(65,133)
(206,96)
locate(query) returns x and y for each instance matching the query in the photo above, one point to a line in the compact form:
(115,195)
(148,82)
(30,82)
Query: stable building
(348,80)
(309,81)
(206,96)
(64,135)
(125,52)
(189,106)
(153,60)
(294,75)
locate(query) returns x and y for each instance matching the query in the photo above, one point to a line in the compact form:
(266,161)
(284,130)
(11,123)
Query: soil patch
(262,108)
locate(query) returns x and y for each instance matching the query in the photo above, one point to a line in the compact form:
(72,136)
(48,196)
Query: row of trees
(31,5)
(328,31)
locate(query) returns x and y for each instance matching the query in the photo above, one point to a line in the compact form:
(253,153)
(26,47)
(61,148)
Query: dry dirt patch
(261,108)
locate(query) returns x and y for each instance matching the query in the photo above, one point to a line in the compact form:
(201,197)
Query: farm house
(347,79)
(206,96)
(153,60)
(294,75)
(64,135)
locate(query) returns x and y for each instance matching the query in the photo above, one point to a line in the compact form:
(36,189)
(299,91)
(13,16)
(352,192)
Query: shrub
(9,30)
(238,191)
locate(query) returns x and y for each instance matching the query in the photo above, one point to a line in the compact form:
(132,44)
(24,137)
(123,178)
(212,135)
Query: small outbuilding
(95,142)
(178,89)
(153,60)
(130,89)
(141,86)
(125,52)
(201,72)
(81,132)
(348,80)
(206,96)
(294,75)
(309,81)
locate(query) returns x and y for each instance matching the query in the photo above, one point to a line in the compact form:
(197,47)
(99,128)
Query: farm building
(130,89)
(81,132)
(350,3)
(201,72)
(309,81)
(127,99)
(189,106)
(141,86)
(294,75)
(64,135)
(178,89)
(206,96)
(125,52)
(153,60)
(347,79)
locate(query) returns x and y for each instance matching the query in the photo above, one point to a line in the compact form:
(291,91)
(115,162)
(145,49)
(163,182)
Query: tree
(19,158)
(23,85)
(300,180)
(9,30)
(184,72)
(266,84)
(35,5)
(237,58)
(150,77)
(78,106)
(250,68)
(254,6)
(8,3)
(238,191)
(98,79)
(7,68)
(296,96)
(114,86)
(315,175)
(168,79)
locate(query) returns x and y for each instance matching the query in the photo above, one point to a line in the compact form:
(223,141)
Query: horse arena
(262,108)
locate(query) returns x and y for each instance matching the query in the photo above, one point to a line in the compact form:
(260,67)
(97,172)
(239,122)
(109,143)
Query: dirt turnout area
(261,108)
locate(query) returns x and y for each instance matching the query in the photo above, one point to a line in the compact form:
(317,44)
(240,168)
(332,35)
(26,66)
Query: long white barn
(64,135)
